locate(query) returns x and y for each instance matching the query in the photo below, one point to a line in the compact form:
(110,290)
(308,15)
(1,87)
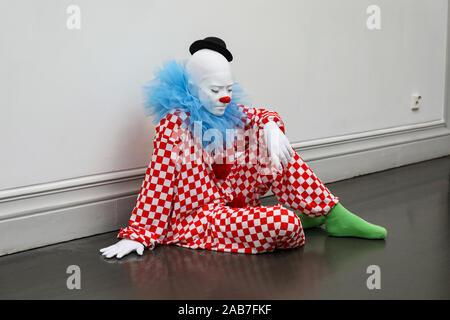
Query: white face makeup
(212,73)
(215,92)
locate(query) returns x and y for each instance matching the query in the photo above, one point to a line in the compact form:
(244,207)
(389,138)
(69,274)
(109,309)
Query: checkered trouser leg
(253,229)
(298,187)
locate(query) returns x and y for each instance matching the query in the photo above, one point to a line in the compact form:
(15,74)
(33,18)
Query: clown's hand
(122,248)
(280,150)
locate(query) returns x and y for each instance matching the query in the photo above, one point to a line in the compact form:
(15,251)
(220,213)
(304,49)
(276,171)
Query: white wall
(71,116)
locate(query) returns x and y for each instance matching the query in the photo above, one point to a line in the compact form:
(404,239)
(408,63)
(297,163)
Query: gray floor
(412,202)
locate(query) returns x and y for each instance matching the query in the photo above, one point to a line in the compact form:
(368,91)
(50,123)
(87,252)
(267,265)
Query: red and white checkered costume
(184,203)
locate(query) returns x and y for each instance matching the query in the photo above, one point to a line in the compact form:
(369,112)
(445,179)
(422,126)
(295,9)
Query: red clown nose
(225,99)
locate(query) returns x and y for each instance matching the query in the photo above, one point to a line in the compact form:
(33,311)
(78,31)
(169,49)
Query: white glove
(278,145)
(122,248)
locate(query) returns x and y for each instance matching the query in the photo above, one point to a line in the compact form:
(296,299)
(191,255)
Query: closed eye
(215,91)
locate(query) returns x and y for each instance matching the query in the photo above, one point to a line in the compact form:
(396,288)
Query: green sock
(308,222)
(340,222)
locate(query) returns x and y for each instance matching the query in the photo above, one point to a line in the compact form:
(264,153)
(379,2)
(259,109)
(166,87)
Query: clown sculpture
(206,196)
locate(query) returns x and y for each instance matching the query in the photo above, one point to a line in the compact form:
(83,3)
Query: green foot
(308,222)
(340,222)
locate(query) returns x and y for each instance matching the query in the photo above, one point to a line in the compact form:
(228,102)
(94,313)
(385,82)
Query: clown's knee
(286,224)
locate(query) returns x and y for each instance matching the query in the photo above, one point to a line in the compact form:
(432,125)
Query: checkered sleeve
(259,117)
(150,217)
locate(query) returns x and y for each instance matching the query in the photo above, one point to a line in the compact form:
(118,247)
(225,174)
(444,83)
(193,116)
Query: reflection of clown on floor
(175,273)
(204,203)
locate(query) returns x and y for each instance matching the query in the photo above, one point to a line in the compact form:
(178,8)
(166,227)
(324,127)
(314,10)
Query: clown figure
(200,197)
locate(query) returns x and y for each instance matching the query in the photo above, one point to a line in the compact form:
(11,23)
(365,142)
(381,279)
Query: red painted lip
(225,99)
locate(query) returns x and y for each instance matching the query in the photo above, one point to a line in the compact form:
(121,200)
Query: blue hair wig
(170,90)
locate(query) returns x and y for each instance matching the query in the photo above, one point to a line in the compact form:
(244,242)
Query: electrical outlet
(416,102)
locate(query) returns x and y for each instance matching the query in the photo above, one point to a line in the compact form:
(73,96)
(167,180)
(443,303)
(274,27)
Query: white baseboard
(49,227)
(40,215)
(345,157)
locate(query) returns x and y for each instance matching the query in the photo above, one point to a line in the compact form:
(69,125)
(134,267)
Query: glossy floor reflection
(412,202)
